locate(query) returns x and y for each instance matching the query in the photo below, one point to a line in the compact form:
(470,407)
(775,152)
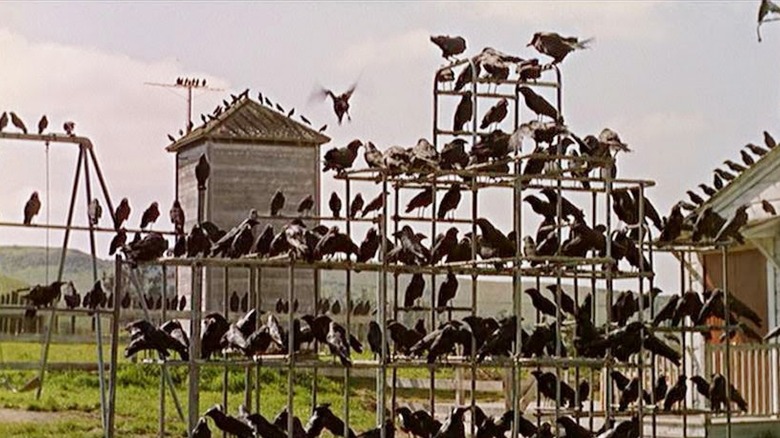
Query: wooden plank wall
(246,176)
(746,277)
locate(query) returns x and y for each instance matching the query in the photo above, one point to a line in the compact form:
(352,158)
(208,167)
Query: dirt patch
(22,416)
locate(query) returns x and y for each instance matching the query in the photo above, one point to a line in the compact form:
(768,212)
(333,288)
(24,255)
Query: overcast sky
(685,83)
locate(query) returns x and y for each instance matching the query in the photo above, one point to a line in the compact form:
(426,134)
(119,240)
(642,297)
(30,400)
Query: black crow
(420,200)
(31,208)
(356,206)
(374,205)
(229,424)
(334,203)
(539,104)
(150,215)
(16,121)
(340,102)
(449,201)
(541,303)
(369,246)
(42,124)
(151,247)
(323,418)
(201,429)
(444,245)
(453,427)
(463,112)
(453,155)
(450,46)
(769,141)
(372,156)
(214,328)
(340,159)
(374,338)
(306,204)
(676,393)
(557,46)
(573,429)
(202,172)
(414,290)
(495,114)
(447,291)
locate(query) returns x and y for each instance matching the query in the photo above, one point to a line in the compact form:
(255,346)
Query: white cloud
(624,19)
(379,52)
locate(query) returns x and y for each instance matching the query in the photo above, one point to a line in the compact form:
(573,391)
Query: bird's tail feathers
(585,44)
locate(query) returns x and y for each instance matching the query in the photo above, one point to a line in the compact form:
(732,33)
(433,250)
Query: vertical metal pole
(248,369)
(315,370)
(434,304)
(258,307)
(97,316)
(683,342)
(641,356)
(396,196)
(474,280)
(114,346)
(196,303)
(348,307)
(594,305)
(52,313)
(609,396)
(163,365)
(226,311)
(290,351)
(102,181)
(517,278)
(382,314)
(727,313)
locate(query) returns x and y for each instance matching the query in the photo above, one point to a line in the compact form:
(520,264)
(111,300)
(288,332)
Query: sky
(686,84)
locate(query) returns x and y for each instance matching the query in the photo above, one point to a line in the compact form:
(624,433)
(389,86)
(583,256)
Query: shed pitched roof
(747,185)
(251,122)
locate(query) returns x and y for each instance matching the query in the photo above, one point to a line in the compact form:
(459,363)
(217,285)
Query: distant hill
(26,265)
(8,284)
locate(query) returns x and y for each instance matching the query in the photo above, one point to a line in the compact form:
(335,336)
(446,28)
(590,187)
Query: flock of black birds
(257,333)
(33,205)
(43,124)
(702,223)
(416,424)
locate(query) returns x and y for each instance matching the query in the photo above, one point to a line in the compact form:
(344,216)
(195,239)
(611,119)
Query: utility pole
(189,84)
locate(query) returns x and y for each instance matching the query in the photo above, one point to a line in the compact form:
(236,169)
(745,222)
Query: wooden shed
(254,150)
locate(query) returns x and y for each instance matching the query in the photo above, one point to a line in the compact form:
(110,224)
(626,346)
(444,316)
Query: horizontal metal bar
(49,138)
(488,95)
(79,228)
(52,366)
(428,309)
(428,220)
(18,310)
(457,268)
(694,329)
(318,218)
(283,361)
(58,338)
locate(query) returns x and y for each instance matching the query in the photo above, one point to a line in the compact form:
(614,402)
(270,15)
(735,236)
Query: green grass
(71,398)
(74,395)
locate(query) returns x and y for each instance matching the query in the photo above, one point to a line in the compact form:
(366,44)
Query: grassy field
(74,396)
(70,407)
